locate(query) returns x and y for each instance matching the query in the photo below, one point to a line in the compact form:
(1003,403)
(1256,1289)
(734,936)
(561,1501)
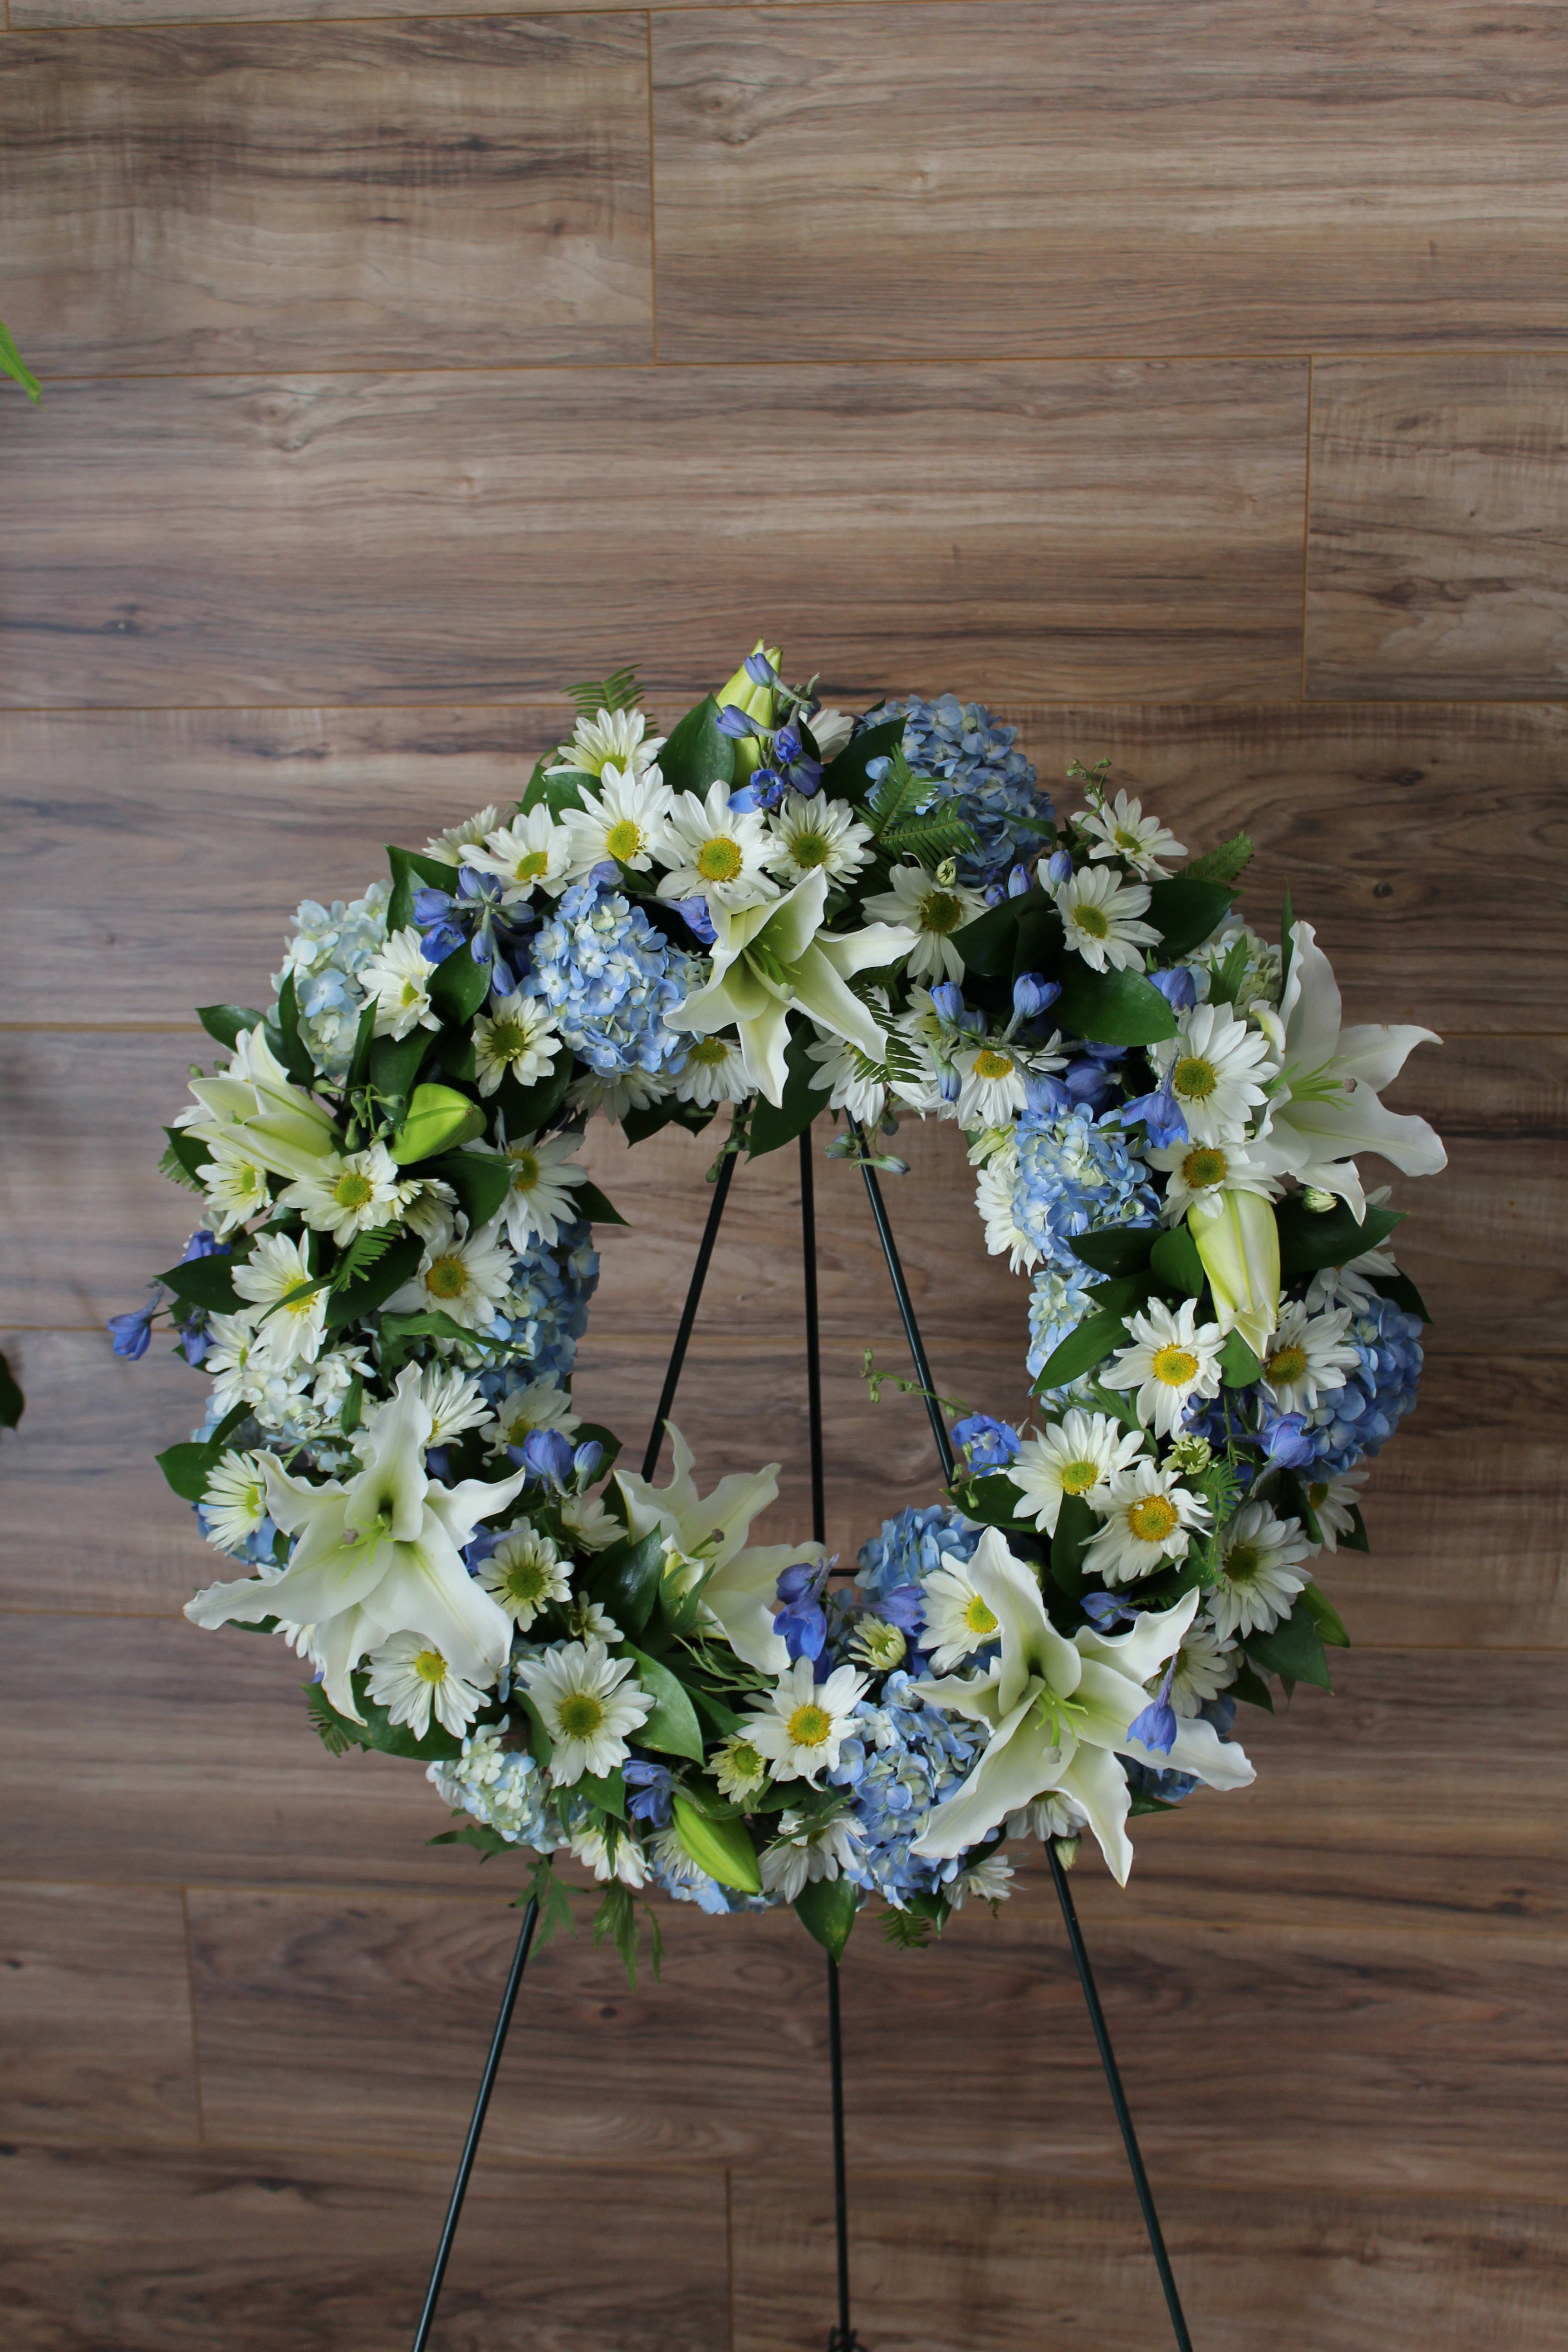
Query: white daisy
(626,1861)
(738,1769)
(990,1881)
(233,1352)
(614,1097)
(1078,1456)
(588,1702)
(397,980)
(803,1852)
(591,1526)
(1332,1503)
(461,1274)
(290,1334)
(958,1620)
(518,1033)
(877,1644)
(717,852)
(235,1183)
(453,1399)
(714,1072)
(524,1573)
(817,833)
(1218,1068)
(530,854)
(428,1207)
(409,1676)
(935,910)
(1204,1665)
(853,1083)
(541,1404)
(539,1200)
(995,1187)
(1119,828)
(1150,1519)
(992,1091)
(1260,1570)
(1308,1357)
(1102,917)
(1171,1360)
(1354,1283)
(1055,1816)
(1198,1175)
(830,732)
(800,1728)
(618,739)
(585,1617)
(235,1503)
(449,847)
(347,1192)
(627,822)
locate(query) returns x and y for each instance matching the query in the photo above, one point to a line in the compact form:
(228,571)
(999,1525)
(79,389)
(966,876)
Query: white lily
(1059,1713)
(284,1130)
(705,1539)
(1238,1242)
(1326,1106)
(770,958)
(381,1555)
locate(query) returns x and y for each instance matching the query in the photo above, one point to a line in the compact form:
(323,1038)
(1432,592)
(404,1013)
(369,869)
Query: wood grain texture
(1439,527)
(1099,528)
(1210,176)
(1394,2058)
(372,196)
(96,2034)
(1425,842)
(327,2250)
(1008,2265)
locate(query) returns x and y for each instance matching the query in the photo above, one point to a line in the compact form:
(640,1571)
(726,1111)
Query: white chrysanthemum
(626,822)
(449,847)
(626,1861)
(876,1644)
(1219,1069)
(1078,1456)
(541,1404)
(347,1192)
(591,1526)
(1119,828)
(1197,1176)
(525,1573)
(453,1399)
(518,1035)
(992,1091)
(530,854)
(1204,1665)
(230,1360)
(462,1274)
(714,1072)
(717,853)
(539,1200)
(990,1881)
(1103,918)
(428,1206)
(1308,1357)
(830,732)
(803,1852)
(1333,1502)
(398,980)
(1171,1360)
(817,833)
(1260,1571)
(588,1702)
(585,1617)
(1150,1517)
(993,1197)
(618,739)
(410,1676)
(739,1769)
(277,1270)
(235,1183)
(235,1503)
(1056,1816)
(801,1726)
(614,1097)
(935,910)
(959,1621)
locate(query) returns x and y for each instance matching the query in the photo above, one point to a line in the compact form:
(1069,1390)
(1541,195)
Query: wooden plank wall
(1189,378)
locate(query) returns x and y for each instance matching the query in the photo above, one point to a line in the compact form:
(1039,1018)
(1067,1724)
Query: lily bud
(1239,1247)
(759,702)
(439,1119)
(1065,1851)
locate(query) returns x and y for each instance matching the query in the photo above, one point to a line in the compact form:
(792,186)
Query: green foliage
(337,1734)
(697,752)
(529,1108)
(1088,1345)
(587,1200)
(1174,1261)
(672,1729)
(910,1930)
(1116,1249)
(1239,1367)
(1404,1293)
(12,1403)
(937,835)
(722,1848)
(627,1578)
(1312,1238)
(481,1181)
(1357,1538)
(395,1063)
(365,1250)
(605,1789)
(1228,863)
(805,1097)
(438,1745)
(1111,1008)
(1293,1651)
(487,1843)
(459,985)
(1325,1617)
(615,1921)
(226,1021)
(620,691)
(394,1265)
(844,779)
(181,1158)
(897,796)
(294,1054)
(1076,1527)
(826,1909)
(554,1905)
(1184,910)
(204,1282)
(992,1501)
(13,365)
(1227,977)
(1248,1684)
(410,868)
(987,944)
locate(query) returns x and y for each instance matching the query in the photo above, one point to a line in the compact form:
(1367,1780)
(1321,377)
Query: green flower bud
(439,1119)
(759,702)
(723,1849)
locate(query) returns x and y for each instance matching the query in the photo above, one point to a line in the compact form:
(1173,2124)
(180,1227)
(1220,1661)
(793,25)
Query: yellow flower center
(989,1064)
(1126,840)
(353,1190)
(941,912)
(507,1041)
(524,1171)
(1153,1517)
(744,1762)
(431,1667)
(1077,1478)
(1287,1363)
(448,1277)
(1204,1167)
(412,992)
(1195,1077)
(524,1582)
(1093,921)
(1175,1366)
(1242,1562)
(719,860)
(580,1714)
(1317,1495)
(809,1726)
(977,1617)
(624,839)
(809,849)
(711,1052)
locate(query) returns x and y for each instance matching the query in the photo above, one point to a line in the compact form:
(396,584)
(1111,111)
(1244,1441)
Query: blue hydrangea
(546,1308)
(902,1759)
(1357,1421)
(610,979)
(1075,1175)
(1058,1300)
(908,1548)
(328,947)
(976,766)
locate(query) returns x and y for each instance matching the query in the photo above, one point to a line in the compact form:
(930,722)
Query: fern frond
(622,690)
(896,795)
(363,1252)
(1228,863)
(931,838)
(337,1737)
(171,1166)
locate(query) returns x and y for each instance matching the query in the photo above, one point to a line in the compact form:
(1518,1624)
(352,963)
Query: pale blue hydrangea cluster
(903,1759)
(1075,1175)
(547,1305)
(500,1787)
(993,786)
(328,947)
(1357,1421)
(906,1549)
(1057,1301)
(610,979)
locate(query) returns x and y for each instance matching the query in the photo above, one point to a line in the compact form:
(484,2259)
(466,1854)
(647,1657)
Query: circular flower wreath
(791,912)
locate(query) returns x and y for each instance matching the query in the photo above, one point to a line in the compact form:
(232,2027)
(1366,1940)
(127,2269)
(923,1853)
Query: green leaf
(1239,1367)
(410,866)
(1294,1651)
(723,1849)
(722,1720)
(438,1744)
(1116,1249)
(587,1200)
(672,1729)
(438,1120)
(1248,1684)
(619,691)
(226,1021)
(626,1579)
(1404,1293)
(844,779)
(987,944)
(1076,1527)
(1357,1539)
(1184,910)
(1309,1239)
(398,1265)
(1119,1294)
(804,1098)
(533,791)
(187,1469)
(188,1154)
(338,1734)
(458,986)
(1174,1262)
(607,1789)
(940,833)
(359,1060)
(13,365)
(1228,863)
(617,1918)
(12,1403)
(994,1502)
(529,1108)
(430,1323)
(1038,944)
(1325,1617)
(1227,978)
(295,1056)
(696,753)
(204,1282)
(1141,1802)
(352,1412)
(1082,1348)
(1112,1008)
(395,1063)
(554,1909)
(605,1438)
(826,1909)
(638,1125)
(487,1843)
(481,1181)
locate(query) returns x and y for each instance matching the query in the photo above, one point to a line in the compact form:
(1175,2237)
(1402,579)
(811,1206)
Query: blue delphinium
(902,1759)
(975,765)
(1358,1420)
(610,979)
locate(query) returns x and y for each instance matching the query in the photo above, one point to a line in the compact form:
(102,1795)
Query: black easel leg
(1064,1892)
(721,1184)
(471,2145)
(843,2339)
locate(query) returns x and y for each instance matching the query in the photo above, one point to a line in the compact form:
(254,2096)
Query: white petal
(1098,1781)
(1023,1762)
(1156,1636)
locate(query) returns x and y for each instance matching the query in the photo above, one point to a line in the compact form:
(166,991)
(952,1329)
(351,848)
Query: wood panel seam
(195,2030)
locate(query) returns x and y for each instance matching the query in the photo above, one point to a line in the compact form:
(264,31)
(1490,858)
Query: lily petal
(1156,1636)
(1023,1761)
(1098,1781)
